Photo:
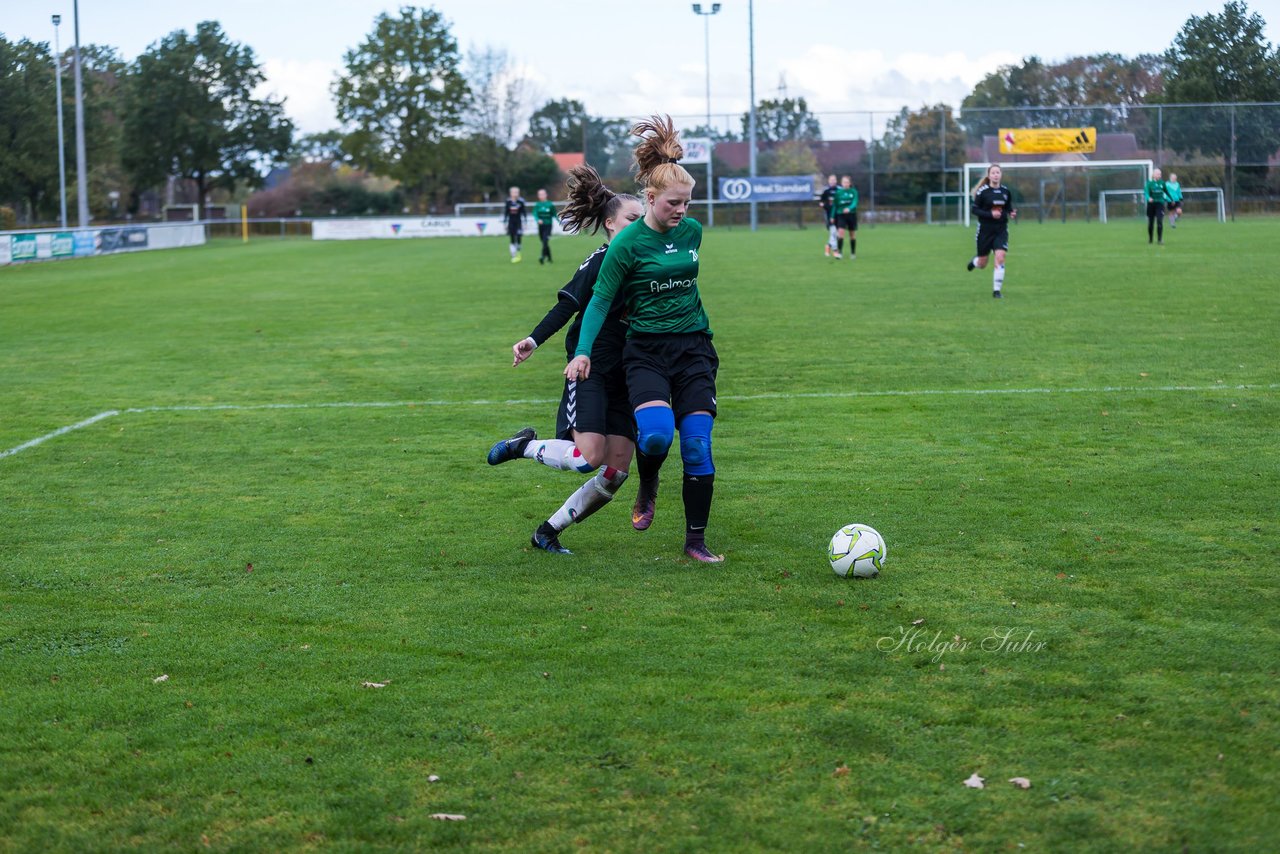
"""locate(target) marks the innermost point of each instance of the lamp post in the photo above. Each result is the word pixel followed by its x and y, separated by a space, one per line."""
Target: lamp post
pixel 706 38
pixel 62 150
pixel 751 125
pixel 82 173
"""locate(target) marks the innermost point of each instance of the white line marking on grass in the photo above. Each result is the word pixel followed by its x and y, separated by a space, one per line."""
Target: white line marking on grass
pixel 923 392
pixel 782 395
pixel 60 431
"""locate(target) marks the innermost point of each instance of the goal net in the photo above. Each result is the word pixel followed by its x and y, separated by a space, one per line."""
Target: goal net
pixel 1060 189
pixel 945 208
pixel 1119 204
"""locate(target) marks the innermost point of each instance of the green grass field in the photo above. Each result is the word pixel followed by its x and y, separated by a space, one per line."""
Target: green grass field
pixel 287 498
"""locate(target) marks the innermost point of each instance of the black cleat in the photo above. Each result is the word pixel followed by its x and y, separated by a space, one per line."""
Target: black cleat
pixel 996 295
pixel 547 538
pixel 511 449
pixel 970 266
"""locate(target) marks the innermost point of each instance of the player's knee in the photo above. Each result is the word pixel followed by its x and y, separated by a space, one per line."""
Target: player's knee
pixel 695 444
pixel 593 452
pixel 655 429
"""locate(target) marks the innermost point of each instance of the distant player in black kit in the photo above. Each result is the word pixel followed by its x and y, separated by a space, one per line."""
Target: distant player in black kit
pixel 517 213
pixel 993 206
pixel 827 201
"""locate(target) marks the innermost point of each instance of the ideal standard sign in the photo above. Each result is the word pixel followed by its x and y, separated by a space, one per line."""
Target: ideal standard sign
pixel 774 188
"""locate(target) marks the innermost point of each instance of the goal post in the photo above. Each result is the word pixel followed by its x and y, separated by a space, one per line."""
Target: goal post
pixel 1042 183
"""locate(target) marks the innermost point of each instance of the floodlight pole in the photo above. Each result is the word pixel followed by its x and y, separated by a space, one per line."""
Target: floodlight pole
pixel 62 149
pixel 751 121
pixel 82 176
pixel 706 38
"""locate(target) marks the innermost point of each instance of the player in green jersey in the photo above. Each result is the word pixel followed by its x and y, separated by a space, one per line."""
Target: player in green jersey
pixel 594 425
pixel 846 216
pixel 670 361
pixel 1173 194
pixel 1153 193
pixel 544 214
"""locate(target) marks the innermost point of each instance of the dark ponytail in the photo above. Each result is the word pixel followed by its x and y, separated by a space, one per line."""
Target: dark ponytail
pixel 590 201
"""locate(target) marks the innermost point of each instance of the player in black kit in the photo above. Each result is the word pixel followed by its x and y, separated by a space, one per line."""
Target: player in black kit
pixel 993 206
pixel 516 215
pixel 594 426
pixel 827 201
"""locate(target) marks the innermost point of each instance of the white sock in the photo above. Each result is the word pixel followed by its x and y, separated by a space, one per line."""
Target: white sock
pixel 588 498
pixel 831 237
pixel 997 278
pixel 512 247
pixel 559 454
pixel 976 259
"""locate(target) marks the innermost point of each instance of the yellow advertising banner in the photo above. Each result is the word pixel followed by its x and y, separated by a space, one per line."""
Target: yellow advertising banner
pixel 1048 140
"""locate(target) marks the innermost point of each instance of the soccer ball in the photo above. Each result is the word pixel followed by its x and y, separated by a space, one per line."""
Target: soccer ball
pixel 858 551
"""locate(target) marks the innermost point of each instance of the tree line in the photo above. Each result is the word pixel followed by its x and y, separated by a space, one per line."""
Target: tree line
pixel 421 126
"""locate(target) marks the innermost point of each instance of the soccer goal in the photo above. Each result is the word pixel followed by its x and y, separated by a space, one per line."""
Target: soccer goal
pixel 480 209
pixel 1053 189
pixel 949 207
pixel 1131 203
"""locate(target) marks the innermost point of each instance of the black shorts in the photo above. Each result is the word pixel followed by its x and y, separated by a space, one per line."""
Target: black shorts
pixel 830 217
pixel 597 404
pixel 1175 206
pixel 679 369
pixel 515 228
pixel 992 239
pixel 847 221
pixel 1155 210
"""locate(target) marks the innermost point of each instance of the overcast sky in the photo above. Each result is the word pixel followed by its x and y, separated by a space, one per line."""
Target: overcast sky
pixel 631 57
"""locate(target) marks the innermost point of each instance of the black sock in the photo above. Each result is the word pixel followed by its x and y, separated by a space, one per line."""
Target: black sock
pixel 697 506
pixel 1160 231
pixel 853 246
pixel 647 467
pixel 839 244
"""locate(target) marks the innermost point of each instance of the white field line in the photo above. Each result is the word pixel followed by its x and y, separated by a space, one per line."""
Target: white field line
pixel 250 407
pixel 61 430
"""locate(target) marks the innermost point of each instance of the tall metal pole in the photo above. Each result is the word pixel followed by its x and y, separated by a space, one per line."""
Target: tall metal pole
pixel 706 38
pixel 82 171
pixel 1160 136
pixel 871 137
pixel 62 148
pixel 1233 162
pixel 751 121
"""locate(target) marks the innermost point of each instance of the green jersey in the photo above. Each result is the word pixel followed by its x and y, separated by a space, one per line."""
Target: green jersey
pixel 1173 191
pixel 846 200
pixel 657 273
pixel 544 213
pixel 1154 191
